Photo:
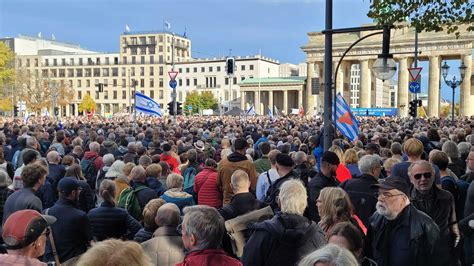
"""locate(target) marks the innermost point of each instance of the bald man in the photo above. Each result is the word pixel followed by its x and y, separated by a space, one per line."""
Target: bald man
pixel 56 170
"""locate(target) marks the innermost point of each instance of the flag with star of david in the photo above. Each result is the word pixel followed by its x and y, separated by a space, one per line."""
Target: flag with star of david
pixel 146 105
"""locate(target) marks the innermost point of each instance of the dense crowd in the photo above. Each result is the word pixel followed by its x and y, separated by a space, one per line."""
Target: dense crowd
pixel 235 191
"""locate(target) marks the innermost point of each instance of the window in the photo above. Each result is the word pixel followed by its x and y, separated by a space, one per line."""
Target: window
pixel 242 67
pixel 97 94
pixel 133 50
pixel 151 40
pixel 218 69
pixel 96 72
pixel 116 61
pixel 63 61
pixel 88 72
pixel 235 80
pixel 160 59
pixel 124 95
pixel 106 95
pixel 134 60
pixel 187 82
pixel 79 72
pixel 152 72
pixel 114 82
pixel 62 73
pixel 70 84
pixel 45 73
pixel 161 95
pixel 203 69
pixel 79 95
pixel 124 72
pixel 79 83
pixel 161 71
pixel 195 70
pixel 160 83
pixel 242 78
pixel 36 62
pixel 180 70
pixel 142 83
pixel 105 72
pixel 55 62
pixel 132 71
pixel 124 59
pixel 114 71
pixel 152 83
pixel 115 95
pixel 142 59
pixel 70 73
pixel 88 83
pixel 210 69
pixel 152 59
pixel 142 71
pixel 180 82
pixel 124 83
pixel 80 61
pixel 187 70
pixel 195 82
pixel 152 94
pixel 226 81
pixel 46 62
pixel 160 48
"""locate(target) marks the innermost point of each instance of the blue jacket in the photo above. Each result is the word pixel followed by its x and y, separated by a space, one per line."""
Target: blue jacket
pixel 55 173
pixel 47 194
pixel 156 185
pixel 108 221
pixel 180 198
pixel 143 235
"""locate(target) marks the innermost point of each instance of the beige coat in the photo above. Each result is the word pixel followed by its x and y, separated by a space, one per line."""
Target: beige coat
pixel 165 248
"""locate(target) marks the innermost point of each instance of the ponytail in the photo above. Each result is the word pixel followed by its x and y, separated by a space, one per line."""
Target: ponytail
pixel 107 191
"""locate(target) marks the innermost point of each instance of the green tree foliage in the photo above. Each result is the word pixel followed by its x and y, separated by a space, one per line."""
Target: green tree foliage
pixel 87 104
pixel 200 102
pixel 7 67
pixel 427 16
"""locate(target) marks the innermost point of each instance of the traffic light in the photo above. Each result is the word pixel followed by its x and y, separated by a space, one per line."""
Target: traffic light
pixel 413 106
pixel 420 103
pixel 56 111
pixel 230 66
pixel 170 108
pixel 179 108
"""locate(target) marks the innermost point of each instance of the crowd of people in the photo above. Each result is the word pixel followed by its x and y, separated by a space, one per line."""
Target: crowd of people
pixel 235 191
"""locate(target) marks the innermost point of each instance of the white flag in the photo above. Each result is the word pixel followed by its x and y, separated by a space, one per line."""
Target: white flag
pixel 39 34
pixel 251 111
pixel 127 28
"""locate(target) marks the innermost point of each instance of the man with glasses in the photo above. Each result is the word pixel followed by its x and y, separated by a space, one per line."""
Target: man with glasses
pixel 439 205
pixel 399 234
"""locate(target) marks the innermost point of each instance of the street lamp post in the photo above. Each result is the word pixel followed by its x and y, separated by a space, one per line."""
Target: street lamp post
pixel 453 83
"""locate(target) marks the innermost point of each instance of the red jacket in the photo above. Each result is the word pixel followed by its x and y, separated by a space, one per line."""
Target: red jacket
pixel 342 173
pixel 172 162
pixel 209 257
pixel 98 162
pixel 205 186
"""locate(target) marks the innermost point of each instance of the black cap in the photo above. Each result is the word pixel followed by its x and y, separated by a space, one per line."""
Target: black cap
pixel 67 184
pixel 166 147
pixel 284 160
pixel 330 157
pixel 393 182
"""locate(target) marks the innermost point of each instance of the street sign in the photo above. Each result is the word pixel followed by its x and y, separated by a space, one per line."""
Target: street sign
pixel 173 74
pixel 414 73
pixel 173 83
pixel 190 107
pixel 414 87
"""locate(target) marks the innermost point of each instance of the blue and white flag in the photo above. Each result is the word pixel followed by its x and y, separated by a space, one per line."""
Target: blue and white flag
pixel 251 111
pixel 166 25
pixel 26 118
pixel 345 120
pixel 146 105
pixel 270 113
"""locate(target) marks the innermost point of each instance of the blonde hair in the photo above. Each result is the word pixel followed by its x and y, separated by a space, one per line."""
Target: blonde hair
pixel 114 252
pixel 350 156
pixel 336 206
pixel 389 163
pixel 127 169
pixel 413 147
pixel 292 197
pixel 174 181
pixel 149 212
pixel 338 151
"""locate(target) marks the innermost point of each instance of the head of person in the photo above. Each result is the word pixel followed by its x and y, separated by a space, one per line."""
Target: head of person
pixel 284 164
pixel 210 163
pixel 34 175
pixel 108 159
pixel 31 142
pixel 145 161
pixel 67 161
pixel 94 146
pixel 334 205
pixel 264 148
pixel 149 213
pixel 30 156
pixel 272 155
pixel 422 175
pixel 75 171
pixel 348 236
pixel 440 159
pixel 202 228
pixel 166 147
pixel 393 197
pixel 192 156
pixel 300 158
pixel 115 252
pixel 153 170
pixel 25 232
pixel 338 151
pixel 168 215
pixel 370 165
pixel 107 191
pixel 470 161
pixel 388 164
pixel 69 188
pixel 293 197
pixel 53 157
pixel 413 148
pixel 77 150
pixel 350 156
pixel 329 163
pixel 165 168
pixel 175 181
pixel 464 148
pixel 138 174
pixel 451 149
pixel 240 145
pixel 329 255
pixel 240 182
pixel 396 149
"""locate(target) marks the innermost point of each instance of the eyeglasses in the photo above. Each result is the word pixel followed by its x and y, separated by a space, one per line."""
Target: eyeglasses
pixel 179 229
pixel 386 195
pixel 427 175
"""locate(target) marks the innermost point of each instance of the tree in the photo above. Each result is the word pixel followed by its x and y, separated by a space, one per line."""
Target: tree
pixel 6 104
pixel 65 93
pixel 194 100
pixel 446 110
pixel 201 102
pixel 7 67
pixel 33 89
pixel 429 16
pixel 87 104
pixel 208 100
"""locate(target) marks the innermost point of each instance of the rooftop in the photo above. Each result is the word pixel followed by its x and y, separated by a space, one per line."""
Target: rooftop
pixel 154 32
pixel 285 80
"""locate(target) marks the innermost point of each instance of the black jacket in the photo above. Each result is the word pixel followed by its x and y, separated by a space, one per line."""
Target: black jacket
pixel 304 173
pixel 315 186
pixel 283 240
pixel 362 195
pixel 108 221
pixel 410 242
pixel 143 235
pixel 144 196
pixel 241 204
pixel 55 173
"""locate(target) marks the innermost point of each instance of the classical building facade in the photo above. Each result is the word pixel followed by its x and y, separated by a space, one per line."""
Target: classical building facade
pixel 434 47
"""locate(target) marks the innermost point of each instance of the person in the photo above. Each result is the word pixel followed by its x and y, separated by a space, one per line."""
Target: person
pixel 71 232
pixel 227 166
pixel 266 178
pixel 108 221
pixel 131 155
pixel 325 178
pixel 288 236
pixel 149 223
pixel 29 157
pixel 439 205
pixel 5 191
pixel 202 230
pixel 348 236
pixel 205 185
pixel 166 247
pixel 115 252
pixel 464 224
pixel 31 145
pixel 243 201
pixel 33 176
pixel 56 171
pixel 398 233
pixel 469 176
pixel 456 165
pixel 330 254
pixel 359 189
pixel 167 157
pixel 263 163
pixel 109 146
pixel 351 162
pixel 108 160
pixel 92 157
pixel 165 171
pixel 388 165
pixel 342 173
pixel 302 170
pixel 284 167
pixel 86 198
pixel 153 173
pixel 175 193
pixel 24 235
pixel 115 170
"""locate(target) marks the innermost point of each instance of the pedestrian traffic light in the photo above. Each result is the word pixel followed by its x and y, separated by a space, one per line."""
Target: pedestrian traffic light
pixel 179 108
pixel 230 62
pixel 413 106
pixel 420 103
pixel 170 108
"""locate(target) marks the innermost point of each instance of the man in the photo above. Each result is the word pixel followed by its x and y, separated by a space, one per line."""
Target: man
pixel 92 158
pixel 71 232
pixel 33 176
pixel 235 161
pixel 109 145
pixel 284 167
pixel 263 163
pixel 288 236
pixel 167 156
pixel 243 201
pixel 302 170
pixel 325 178
pixel 56 171
pixel 24 234
pixel 166 246
pixel 399 234
pixel 439 205
pixel 467 230
pixel 469 176
pixel 143 193
pixel 28 157
pixel 268 177
pixel 31 145
pixel 360 190
pixel 131 155
pixel 202 230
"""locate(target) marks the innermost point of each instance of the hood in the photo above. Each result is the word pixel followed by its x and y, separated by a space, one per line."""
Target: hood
pixel 109 143
pixel 236 157
pixel 177 194
pixel 90 154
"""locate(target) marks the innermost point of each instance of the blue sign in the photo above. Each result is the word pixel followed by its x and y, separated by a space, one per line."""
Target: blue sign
pixel 190 107
pixel 374 111
pixel 414 87
pixel 173 84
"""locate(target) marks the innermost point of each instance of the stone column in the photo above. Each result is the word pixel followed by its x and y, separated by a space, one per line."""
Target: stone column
pixel 242 100
pixel 310 98
pixel 68 110
pixel 257 102
pixel 433 87
pixel 402 93
pixel 365 84
pixel 285 101
pixel 340 77
pixel 270 100
pixel 300 98
pixel 467 99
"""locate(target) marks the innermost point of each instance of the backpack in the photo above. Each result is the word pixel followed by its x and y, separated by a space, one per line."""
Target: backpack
pixel 238 231
pixel 273 192
pixel 99 179
pixel 88 169
pixel 461 187
pixel 188 176
pixel 128 200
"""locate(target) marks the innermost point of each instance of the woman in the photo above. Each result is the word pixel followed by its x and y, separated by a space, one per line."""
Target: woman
pixel 86 197
pixel 115 170
pixel 455 164
pixel 205 186
pixel 175 193
pixel 115 252
pixel 109 221
pixel 388 165
pixel 350 161
pixel 334 206
pixel 67 161
pixel 342 173
pixel 329 255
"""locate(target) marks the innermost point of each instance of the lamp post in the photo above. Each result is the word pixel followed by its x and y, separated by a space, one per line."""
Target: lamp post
pixel 453 83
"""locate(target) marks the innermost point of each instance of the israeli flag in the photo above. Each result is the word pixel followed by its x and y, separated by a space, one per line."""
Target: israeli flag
pixel 146 105
pixel 251 111
pixel 270 113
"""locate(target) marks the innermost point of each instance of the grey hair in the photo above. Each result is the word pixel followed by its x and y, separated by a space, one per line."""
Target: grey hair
pixel 108 159
pixel 422 163
pixel 31 141
pixel 300 157
pixel 94 146
pixel 168 215
pixel 368 162
pixel 331 255
pixel 292 197
pixel 464 148
pixel 174 181
pixel 451 149
pixel 206 224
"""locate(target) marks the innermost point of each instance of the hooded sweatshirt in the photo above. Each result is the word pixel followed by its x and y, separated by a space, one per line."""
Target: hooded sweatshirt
pixel 180 198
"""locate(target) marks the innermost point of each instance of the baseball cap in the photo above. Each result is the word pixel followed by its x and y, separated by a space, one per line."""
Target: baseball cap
pixel 393 182
pixel 67 184
pixel 23 227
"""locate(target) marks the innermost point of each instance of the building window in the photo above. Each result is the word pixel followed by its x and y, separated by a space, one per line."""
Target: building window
pixel 160 71
pixel 242 67
pixel 115 95
pixel 55 62
pixel 124 95
pixel 203 69
pixel 79 83
pixel 160 83
pixel 80 61
pixel 116 61
pixel 36 62
pixel 79 72
pixel 161 95
pixel 106 95
pixel 195 70
pixel 134 60
pixel 180 82
pixel 152 94
pixel 152 59
pixel 142 83
pixel 235 80
pixel 251 67
pixel 180 70
pixel 124 60
pixel 115 82
pixel 70 73
pixel 124 83
pixel 88 83
pixel 79 95
pixel 242 78
pixel 187 82
pixel 105 72
pixel 46 62
pixel 195 82
pixel 132 71
pixel 226 81
pixel 96 72
pixel 63 61
pixel 152 83
pixel 152 72
pixel 218 69
pixel 114 71
pixel 142 59
pixel 142 71
pixel 210 69
pixel 160 48
pixel 187 70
